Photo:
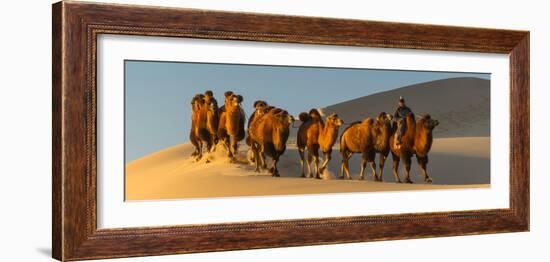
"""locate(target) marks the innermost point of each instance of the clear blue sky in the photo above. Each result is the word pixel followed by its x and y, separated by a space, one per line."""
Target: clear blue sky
pixel 158 94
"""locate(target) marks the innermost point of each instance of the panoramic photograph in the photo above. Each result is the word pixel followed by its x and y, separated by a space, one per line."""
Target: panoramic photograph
pixel 204 130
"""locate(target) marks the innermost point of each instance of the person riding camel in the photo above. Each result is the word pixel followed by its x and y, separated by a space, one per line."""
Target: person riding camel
pixel 400 123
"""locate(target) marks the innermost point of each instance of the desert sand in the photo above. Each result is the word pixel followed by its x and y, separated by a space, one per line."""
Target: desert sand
pixel 460 156
pixel 172 174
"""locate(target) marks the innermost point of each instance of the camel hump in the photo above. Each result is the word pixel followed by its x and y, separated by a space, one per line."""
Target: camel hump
pixel 303 117
pixel 314 113
pixel 268 109
pixel 350 126
pixel 368 121
pixel 276 111
pixel 239 98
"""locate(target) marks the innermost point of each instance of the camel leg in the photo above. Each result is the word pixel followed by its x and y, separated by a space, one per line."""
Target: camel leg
pixel 257 163
pixel 381 163
pixel 196 152
pixel 302 160
pixel 225 142
pixel 225 145
pixel 396 168
pixel 208 149
pixel 346 166
pixel 372 165
pixel 194 142
pixel 256 151
pixel 199 154
pixel 371 156
pixel 423 161
pixel 275 172
pixel 262 158
pixel 317 168
pixel 313 157
pixel 363 166
pixel 407 161
pixel 348 176
pixel 309 160
pixel 234 146
pixel 341 175
pixel 316 162
pixel 327 157
pixel 213 143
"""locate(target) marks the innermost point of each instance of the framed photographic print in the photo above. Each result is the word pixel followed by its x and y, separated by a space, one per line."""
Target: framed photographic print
pixel 182 130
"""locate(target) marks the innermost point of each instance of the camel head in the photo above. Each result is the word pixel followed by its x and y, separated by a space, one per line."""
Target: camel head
pixel 428 122
pixel 197 102
pixel 212 105
pixel 209 99
pixel 284 118
pixel 232 100
pixel 209 94
pixel 228 93
pixel 334 120
pixel 260 104
pixel 261 110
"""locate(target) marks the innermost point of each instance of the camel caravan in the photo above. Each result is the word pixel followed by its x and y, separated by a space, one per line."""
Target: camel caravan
pixel 268 129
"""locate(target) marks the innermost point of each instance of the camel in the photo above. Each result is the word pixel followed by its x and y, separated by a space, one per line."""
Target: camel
pixel 416 140
pixel 314 134
pixel 259 105
pixel 196 104
pixel 231 124
pixel 366 137
pixel 260 108
pixel 212 117
pixel 270 133
pixel 203 124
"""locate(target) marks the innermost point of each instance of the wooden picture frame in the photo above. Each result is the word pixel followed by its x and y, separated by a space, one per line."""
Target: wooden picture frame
pixel 75 28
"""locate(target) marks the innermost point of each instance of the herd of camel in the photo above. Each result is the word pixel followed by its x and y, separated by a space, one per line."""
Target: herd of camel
pixel 268 130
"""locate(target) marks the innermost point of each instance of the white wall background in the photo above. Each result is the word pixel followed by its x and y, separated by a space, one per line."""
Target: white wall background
pixel 25 135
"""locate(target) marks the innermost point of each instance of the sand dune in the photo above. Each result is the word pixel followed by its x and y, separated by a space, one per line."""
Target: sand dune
pixel 172 174
pixel 462 105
